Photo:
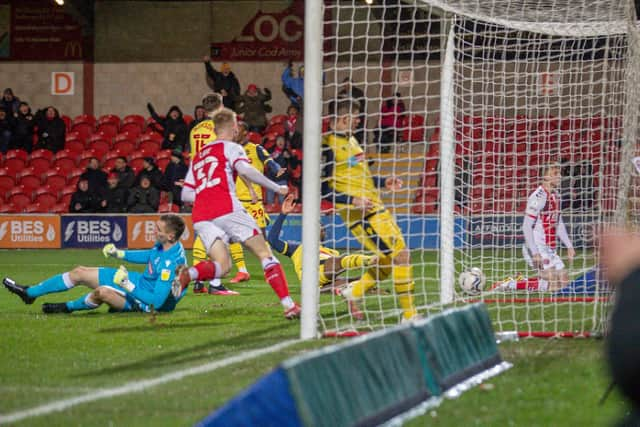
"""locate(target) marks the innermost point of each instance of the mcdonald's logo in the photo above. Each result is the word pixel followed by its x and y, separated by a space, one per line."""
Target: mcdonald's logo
pixel 62 83
pixel 73 49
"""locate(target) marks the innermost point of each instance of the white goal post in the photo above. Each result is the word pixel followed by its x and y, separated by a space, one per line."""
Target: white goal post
pixel 491 92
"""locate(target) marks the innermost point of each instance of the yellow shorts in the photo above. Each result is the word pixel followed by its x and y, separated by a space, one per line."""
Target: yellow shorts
pixel 376 231
pixel 257 212
pixel 323 280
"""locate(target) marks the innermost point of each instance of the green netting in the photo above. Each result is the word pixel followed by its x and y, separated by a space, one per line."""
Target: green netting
pixel 458 344
pixel 372 378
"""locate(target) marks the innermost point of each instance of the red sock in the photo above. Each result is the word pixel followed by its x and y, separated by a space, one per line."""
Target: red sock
pixel 528 284
pixel 206 270
pixel 277 280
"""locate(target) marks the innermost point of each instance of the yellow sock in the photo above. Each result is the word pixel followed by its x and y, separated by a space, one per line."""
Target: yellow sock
pixel 362 285
pixel 237 255
pixel 199 251
pixel 355 261
pixel 403 285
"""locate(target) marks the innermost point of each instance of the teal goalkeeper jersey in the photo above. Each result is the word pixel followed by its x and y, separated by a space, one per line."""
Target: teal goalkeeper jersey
pixel 154 286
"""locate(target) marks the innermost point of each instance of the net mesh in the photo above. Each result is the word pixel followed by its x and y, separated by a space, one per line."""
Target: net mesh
pixel 529 83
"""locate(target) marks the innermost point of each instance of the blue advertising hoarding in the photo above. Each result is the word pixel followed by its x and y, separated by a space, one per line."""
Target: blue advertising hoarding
pixel 93 231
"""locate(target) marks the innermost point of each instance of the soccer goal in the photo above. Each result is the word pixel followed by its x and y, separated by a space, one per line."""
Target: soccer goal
pixel 467 102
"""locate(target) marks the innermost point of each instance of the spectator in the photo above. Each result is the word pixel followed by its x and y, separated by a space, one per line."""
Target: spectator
pixel 83 200
pixel 357 94
pixel 199 114
pixel 24 125
pixel 97 177
pixel 143 198
pixel 51 129
pixel 126 176
pixel 292 86
pixel 151 171
pixel 583 186
pixel 281 156
pixel 9 102
pixel 224 82
pixel 115 195
pixel 173 177
pixel 254 108
pixel 292 136
pixel 176 132
pixel 390 123
pixel 6 130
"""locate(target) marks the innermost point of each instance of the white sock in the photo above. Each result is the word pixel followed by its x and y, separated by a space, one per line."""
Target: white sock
pixel 215 282
pixel 193 273
pixel 543 285
pixel 287 302
pixel 67 280
pixel 242 270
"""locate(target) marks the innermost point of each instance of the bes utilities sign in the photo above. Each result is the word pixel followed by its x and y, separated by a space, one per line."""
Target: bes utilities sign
pixel 30 231
pixel 93 231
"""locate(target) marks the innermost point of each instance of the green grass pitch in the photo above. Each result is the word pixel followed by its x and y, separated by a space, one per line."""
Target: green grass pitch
pixel 45 358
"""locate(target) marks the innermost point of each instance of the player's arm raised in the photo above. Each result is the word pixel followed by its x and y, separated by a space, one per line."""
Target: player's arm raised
pixel 252 174
pixel 280 246
pixel 136 257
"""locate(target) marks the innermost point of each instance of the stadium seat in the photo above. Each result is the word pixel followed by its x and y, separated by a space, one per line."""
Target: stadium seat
pixel 124 147
pixel 155 127
pixel 415 130
pixel 151 135
pixel 14 165
pixel 40 164
pixel 17 154
pixel 74 174
pixel 188 118
pixel 167 207
pixel 64 163
pixel 149 146
pixel 7 208
pixel 29 179
pixel 136 163
pixel 7 182
pixel 277 128
pixel 41 153
pixel 109 118
pixel 254 137
pixel 164 154
pixel 162 163
pixel 84 125
pixel 84 118
pixel 67 122
pixel 19 197
pixel 133 123
pixel 126 135
pixel 86 156
pixel 46 201
pixel 278 119
pixel 76 145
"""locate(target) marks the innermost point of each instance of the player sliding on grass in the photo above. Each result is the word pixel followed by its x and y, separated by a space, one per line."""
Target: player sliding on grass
pixel 119 289
pixel 332 264
pixel 542 226
pixel 218 217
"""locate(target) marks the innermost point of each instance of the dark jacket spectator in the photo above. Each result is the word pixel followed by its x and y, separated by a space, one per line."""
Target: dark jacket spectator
pixel 292 135
pixel 391 115
pixel 144 198
pixel 173 177
pixel 24 125
pixel 293 86
pixel 6 130
pixel 151 171
pixel 199 114
pixel 10 102
pixel 253 107
pixel 115 196
pixel 83 200
pixel 224 82
pixel 97 178
pixel 176 134
pixel 280 155
pixel 126 176
pixel 51 129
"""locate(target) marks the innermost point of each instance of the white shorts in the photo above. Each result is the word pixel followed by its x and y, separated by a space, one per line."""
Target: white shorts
pixel 236 226
pixel 550 259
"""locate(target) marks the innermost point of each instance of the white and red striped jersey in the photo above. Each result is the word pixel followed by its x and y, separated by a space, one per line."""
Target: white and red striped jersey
pixel 212 176
pixel 544 208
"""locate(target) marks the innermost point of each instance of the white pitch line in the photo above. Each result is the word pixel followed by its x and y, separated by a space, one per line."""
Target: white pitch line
pixel 139 385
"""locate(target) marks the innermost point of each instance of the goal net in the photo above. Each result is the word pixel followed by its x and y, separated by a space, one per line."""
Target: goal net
pixel 467 102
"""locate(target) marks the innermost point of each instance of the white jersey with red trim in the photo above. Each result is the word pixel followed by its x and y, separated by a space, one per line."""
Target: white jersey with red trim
pixel 212 176
pixel 544 208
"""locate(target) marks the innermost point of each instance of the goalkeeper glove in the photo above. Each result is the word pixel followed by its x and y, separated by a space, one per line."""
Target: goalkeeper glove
pixel 121 278
pixel 111 250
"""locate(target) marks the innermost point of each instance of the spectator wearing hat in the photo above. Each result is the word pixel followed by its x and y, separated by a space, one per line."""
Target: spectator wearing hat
pixel 51 129
pixel 151 171
pixel 83 200
pixel 6 130
pixel 24 124
pixel 293 86
pixel 10 102
pixel 176 132
pixel 115 197
pixel 253 107
pixel 126 175
pixel 143 198
pixel 173 177
pixel 97 177
pixel 223 82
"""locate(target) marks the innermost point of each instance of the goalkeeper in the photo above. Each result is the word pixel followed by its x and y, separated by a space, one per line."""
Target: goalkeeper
pixel 348 183
pixel 121 290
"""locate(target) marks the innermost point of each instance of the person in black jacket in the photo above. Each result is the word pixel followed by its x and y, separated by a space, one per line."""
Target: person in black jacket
pixel 199 114
pixel 151 171
pixel 173 177
pixel 115 196
pixel 51 129
pixel 126 175
pixel 24 125
pixel 97 177
pixel 176 133
pixel 6 130
pixel 224 82
pixel 144 198
pixel 83 200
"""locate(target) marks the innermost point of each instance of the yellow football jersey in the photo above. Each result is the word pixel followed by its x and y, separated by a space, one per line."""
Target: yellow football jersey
pixel 351 174
pixel 324 254
pixel 201 135
pixel 252 150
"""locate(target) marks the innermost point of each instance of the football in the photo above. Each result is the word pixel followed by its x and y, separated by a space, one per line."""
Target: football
pixel 471 281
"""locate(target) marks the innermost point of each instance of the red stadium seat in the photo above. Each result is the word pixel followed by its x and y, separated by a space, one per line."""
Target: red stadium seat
pixel 7 182
pixel 277 128
pixel 149 146
pixel 151 135
pixel 133 124
pixel 6 208
pixel 254 137
pixel 19 197
pixel 76 145
pixel 136 164
pixel 108 129
pixel 46 200
pixel 83 129
pixel 187 119
pixel 86 156
pixel 148 151
pixel 163 154
pixel 124 147
pixel 40 165
pixel 278 119
pixel 41 153
pixel 67 122
pixel 17 154
pixel 60 208
pixel 64 163
pixel 162 163
pixel 29 179
pixel 168 208
pixel 126 135
pixel 14 165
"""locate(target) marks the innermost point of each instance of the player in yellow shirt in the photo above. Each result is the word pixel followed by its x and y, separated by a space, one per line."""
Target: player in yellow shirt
pixel 250 195
pixel 347 183
pixel 332 263
pixel 201 135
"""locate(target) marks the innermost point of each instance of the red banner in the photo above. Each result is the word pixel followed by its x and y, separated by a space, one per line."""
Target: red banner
pixel 267 37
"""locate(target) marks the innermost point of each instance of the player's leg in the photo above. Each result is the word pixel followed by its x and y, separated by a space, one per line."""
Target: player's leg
pixel 257 212
pixel 199 255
